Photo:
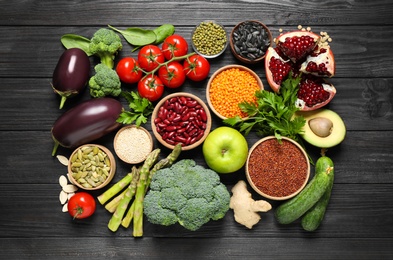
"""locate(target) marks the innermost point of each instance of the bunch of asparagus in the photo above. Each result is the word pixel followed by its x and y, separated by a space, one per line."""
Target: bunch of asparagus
pixel 134 185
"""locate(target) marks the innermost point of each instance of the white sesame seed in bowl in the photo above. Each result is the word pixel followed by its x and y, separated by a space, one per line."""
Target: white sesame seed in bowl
pixel 132 144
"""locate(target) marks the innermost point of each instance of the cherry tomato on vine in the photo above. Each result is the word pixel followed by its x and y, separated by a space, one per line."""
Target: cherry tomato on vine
pixel 81 205
pixel 172 75
pixel 196 67
pixel 151 87
pixel 174 46
pixel 149 57
pixel 128 70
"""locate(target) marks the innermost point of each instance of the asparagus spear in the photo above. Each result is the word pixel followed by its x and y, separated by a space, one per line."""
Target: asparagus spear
pixel 143 184
pixel 117 216
pixel 112 205
pixel 116 188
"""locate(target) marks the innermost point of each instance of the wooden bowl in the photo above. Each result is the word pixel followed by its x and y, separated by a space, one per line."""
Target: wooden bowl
pixel 176 125
pixel 238 35
pixel 209 83
pixel 277 171
pixel 108 171
pixel 133 144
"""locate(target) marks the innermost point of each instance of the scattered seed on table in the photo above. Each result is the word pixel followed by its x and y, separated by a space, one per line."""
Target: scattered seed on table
pixel 65 207
pixel 63 197
pixel 70 188
pixel 62 159
pixel 63 181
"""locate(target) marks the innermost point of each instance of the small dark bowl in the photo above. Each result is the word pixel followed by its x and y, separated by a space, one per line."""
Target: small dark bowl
pixel 239 34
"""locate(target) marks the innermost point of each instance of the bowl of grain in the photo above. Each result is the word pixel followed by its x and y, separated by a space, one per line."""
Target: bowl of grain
pixel 229 86
pixel 182 118
pixel 132 144
pixel 249 41
pixel 277 170
pixel 91 166
pixel 209 39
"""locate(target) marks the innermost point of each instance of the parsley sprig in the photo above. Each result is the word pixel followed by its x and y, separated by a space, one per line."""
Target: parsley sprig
pixel 140 109
pixel 273 113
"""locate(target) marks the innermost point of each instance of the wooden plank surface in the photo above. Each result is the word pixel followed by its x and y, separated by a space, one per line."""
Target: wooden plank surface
pixel 359 221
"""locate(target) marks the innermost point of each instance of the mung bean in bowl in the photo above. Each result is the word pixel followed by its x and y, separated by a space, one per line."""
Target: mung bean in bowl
pixel 181 118
pixel 132 144
pixel 249 41
pixel 91 166
pixel 229 86
pixel 277 170
pixel 209 39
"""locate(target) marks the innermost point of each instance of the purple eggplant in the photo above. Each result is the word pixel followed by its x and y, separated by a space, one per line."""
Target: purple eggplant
pixel 71 74
pixel 86 122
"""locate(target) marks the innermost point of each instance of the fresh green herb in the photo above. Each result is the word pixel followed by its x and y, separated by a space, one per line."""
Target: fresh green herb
pixel 140 109
pixel 76 41
pixel 273 114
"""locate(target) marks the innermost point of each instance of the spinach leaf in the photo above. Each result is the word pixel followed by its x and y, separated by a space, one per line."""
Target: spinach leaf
pixel 76 41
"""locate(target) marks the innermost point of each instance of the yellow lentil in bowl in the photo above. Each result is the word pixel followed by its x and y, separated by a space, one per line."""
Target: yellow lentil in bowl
pixel 133 144
pixel 229 86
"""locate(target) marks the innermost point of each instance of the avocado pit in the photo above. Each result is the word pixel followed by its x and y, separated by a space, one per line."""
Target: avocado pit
pixel 321 126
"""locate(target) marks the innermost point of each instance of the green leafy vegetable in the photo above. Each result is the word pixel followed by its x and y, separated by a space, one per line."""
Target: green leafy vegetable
pixel 273 114
pixel 163 31
pixel 140 109
pixel 76 41
pixel 137 36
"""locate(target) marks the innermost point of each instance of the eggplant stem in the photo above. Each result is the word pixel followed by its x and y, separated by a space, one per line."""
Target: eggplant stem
pixel 62 101
pixel 55 148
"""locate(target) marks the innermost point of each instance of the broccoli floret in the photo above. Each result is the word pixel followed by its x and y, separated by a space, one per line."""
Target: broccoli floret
pixel 186 193
pixel 105 44
pixel 105 82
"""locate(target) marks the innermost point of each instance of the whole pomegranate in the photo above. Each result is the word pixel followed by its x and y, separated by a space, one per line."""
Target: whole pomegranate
pixel 306 53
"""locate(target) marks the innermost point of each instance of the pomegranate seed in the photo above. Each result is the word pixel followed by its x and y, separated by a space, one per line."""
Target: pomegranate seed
pixel 297 47
pixel 312 92
pixel 279 69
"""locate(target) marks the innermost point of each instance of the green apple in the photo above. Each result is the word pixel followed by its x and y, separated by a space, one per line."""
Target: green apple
pixel 225 150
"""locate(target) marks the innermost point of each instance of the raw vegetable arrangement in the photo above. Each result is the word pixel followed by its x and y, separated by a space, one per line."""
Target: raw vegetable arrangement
pixel 167 191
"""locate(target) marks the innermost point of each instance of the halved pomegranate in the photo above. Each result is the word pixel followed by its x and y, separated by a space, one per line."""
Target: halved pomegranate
pixel 305 52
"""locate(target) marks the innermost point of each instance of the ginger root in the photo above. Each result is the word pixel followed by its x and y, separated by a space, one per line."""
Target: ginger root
pixel 245 208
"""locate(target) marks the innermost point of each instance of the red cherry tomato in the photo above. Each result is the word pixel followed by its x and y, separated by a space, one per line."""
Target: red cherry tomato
pixel 128 70
pixel 172 75
pixel 151 87
pixel 81 205
pixel 149 57
pixel 174 46
pixel 196 67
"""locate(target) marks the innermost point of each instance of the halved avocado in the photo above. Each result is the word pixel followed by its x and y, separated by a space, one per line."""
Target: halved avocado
pixel 324 128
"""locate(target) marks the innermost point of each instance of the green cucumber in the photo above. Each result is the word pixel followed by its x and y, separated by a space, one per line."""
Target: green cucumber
pixel 294 208
pixel 313 218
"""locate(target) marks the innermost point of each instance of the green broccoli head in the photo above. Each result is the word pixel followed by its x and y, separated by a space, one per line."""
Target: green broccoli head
pixel 190 192
pixel 105 82
pixel 105 44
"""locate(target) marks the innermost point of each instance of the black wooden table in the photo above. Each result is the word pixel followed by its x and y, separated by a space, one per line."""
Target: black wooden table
pixel 359 221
